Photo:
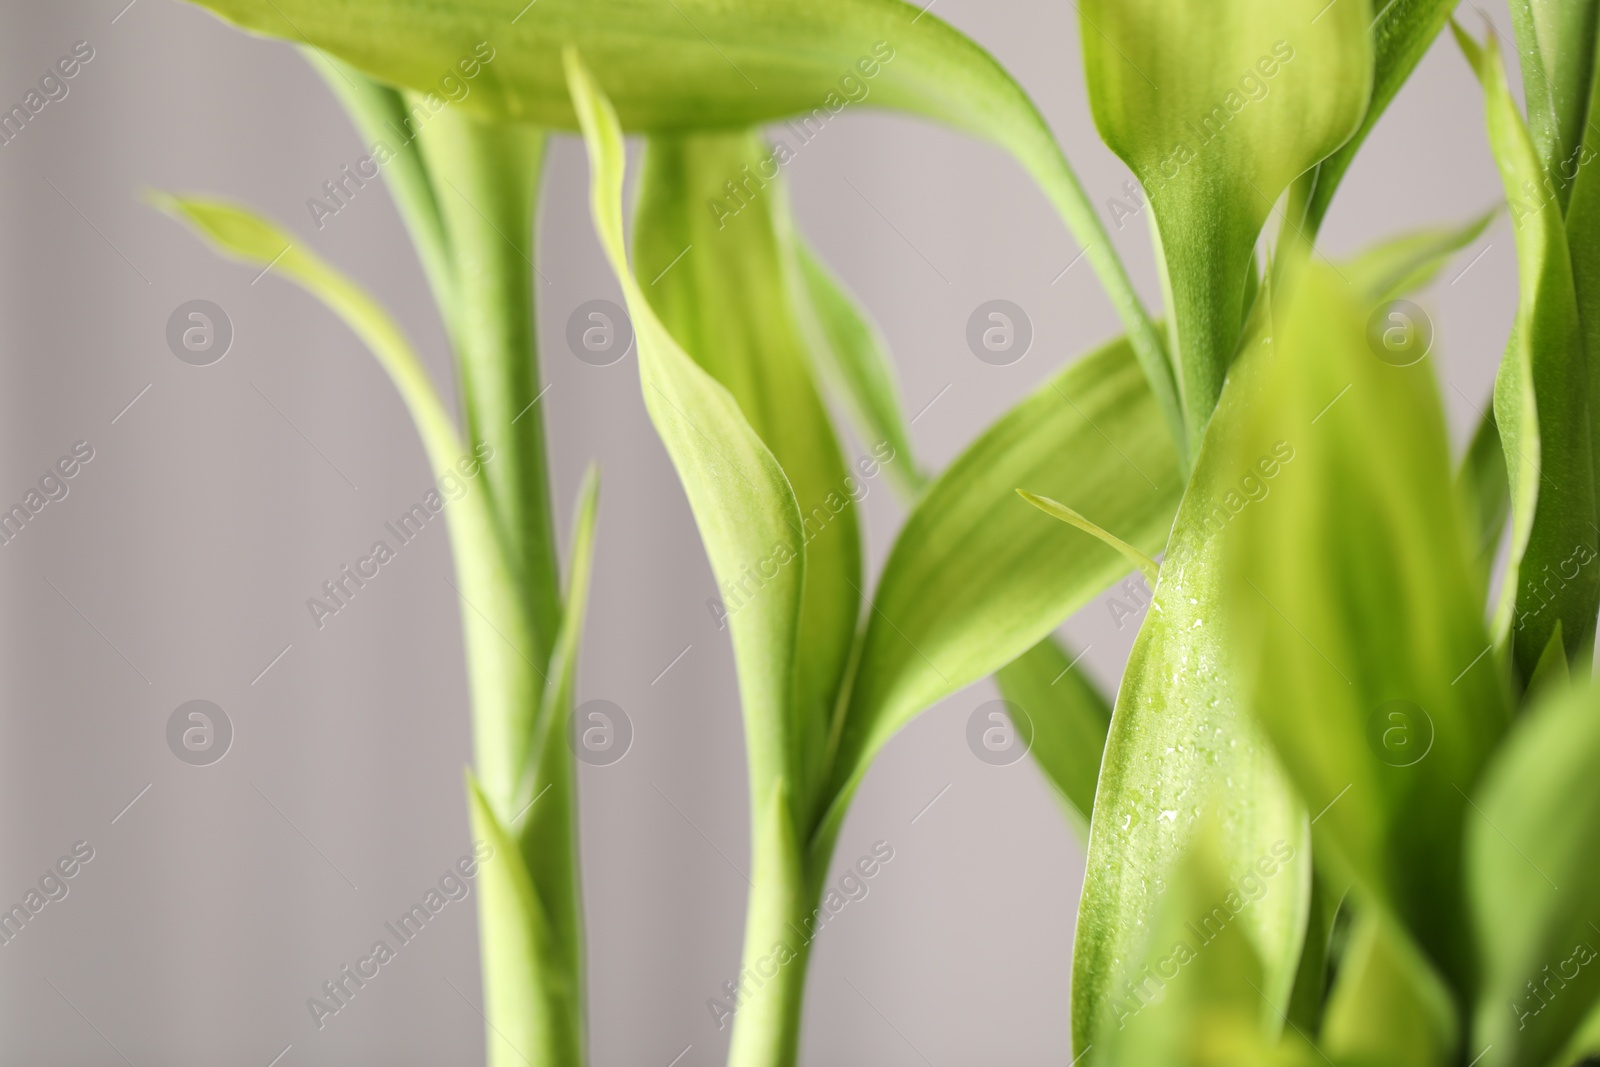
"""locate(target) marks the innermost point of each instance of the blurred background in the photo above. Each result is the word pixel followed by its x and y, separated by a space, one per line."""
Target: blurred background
pixel 219 498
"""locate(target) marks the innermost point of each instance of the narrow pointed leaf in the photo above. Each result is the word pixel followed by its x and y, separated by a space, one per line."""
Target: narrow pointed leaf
pixel 1556 47
pixel 1217 107
pixel 721 288
pixel 1482 483
pixel 1069 719
pixel 977 577
pixel 1360 615
pixel 854 362
pixel 1404 264
pixel 1057 510
pixel 1541 406
pixel 1534 877
pixel 741 499
pixel 1389 1007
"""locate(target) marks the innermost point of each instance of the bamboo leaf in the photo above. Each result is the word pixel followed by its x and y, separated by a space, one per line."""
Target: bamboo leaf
pixel 740 496
pixel 1404 264
pixel 1402 33
pixel 1216 107
pixel 853 361
pixel 1069 718
pixel 977 577
pixel 1534 880
pixel 1556 46
pixel 706 64
pixel 721 288
pixel 1541 407
pixel 1359 606
pixel 499 632
pixel 1057 510
pixel 1481 482
pixel 1179 739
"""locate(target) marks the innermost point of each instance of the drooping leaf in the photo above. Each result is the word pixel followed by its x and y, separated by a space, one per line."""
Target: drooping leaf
pixel 1389 1007
pixel 1402 33
pixel 1404 264
pixel 703 64
pixel 1069 720
pixel 1194 994
pixel 499 633
pixel 1216 107
pixel 740 497
pixel 977 577
pixel 721 288
pixel 1359 613
pixel 1179 737
pixel 853 360
pixel 1541 406
pixel 1534 880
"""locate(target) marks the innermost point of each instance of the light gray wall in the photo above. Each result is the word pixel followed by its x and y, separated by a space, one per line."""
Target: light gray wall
pixel 179 564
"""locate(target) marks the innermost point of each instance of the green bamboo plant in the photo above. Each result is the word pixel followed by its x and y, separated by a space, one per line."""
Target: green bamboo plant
pixel 1329 811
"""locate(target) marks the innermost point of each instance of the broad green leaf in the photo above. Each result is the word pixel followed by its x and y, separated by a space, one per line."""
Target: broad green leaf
pixel 1217 107
pixel 977 577
pixel 1194 994
pixel 1179 737
pixel 703 64
pixel 1534 880
pixel 1359 612
pixel 853 361
pixel 1402 33
pixel 1069 720
pixel 499 636
pixel 721 288
pixel 741 499
pixel 1388 1007
pixel 1541 405
pixel 523 990
pixel 1556 45
pixel 1404 264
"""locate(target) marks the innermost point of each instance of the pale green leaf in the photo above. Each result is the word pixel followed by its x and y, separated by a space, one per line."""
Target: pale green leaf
pixel 854 362
pixel 1217 107
pixel 1179 737
pixel 1541 406
pixel 1057 510
pixel 700 64
pixel 721 288
pixel 1534 878
pixel 1481 482
pixel 1069 720
pixel 1359 612
pixel 977 577
pixel 1404 264
pixel 499 633
pixel 741 499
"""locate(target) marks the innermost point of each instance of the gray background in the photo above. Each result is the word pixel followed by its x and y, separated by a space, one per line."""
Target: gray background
pixel 179 566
